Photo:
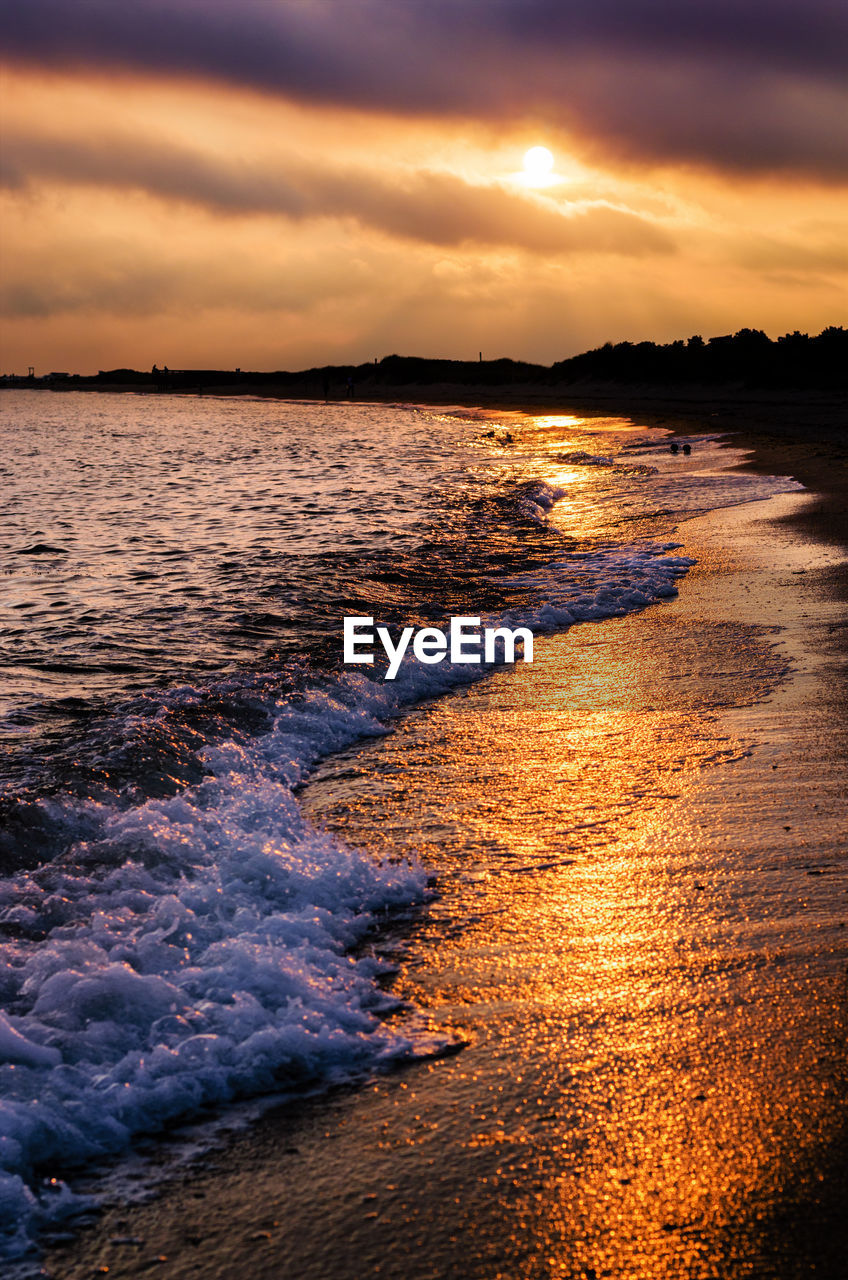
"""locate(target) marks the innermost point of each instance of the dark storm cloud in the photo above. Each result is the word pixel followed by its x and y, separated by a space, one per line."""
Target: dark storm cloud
pixel 750 84
pixel 433 208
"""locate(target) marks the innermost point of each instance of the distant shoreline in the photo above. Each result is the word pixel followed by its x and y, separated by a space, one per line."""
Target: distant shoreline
pixel 740 364
pixel 787 413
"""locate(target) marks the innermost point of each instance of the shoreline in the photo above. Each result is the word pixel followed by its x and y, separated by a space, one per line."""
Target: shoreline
pixel 402 1169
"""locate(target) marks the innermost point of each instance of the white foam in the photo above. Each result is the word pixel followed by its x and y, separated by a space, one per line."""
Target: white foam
pixel 539 499
pixel 599 584
pixel 198 951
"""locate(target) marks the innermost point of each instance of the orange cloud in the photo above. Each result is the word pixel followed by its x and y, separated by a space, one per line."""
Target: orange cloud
pixel 153 221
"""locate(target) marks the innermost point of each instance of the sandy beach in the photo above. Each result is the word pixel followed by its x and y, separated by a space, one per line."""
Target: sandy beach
pixel 653 1076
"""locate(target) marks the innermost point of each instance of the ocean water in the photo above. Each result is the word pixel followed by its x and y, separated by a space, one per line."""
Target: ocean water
pixel 176 933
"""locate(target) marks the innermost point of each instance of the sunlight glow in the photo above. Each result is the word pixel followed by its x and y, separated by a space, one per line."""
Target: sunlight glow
pixel 538 163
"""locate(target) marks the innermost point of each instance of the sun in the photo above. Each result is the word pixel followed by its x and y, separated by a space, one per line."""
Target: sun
pixel 538 163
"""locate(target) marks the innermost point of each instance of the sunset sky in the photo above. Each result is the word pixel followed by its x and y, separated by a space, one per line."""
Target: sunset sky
pixel 272 184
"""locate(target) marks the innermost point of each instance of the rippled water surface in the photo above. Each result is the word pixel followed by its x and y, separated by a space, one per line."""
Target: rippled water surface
pixel 155 540
pixel 145 538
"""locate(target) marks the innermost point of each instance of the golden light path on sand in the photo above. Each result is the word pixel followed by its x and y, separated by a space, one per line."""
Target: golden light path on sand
pixel 636 948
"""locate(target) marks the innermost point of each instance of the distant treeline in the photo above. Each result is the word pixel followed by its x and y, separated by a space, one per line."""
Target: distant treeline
pixel 747 360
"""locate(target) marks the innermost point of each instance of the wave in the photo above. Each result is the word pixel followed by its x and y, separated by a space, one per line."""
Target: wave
pixel 197 947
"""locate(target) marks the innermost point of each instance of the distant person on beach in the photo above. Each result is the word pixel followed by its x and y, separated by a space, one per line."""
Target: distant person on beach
pixel 350 387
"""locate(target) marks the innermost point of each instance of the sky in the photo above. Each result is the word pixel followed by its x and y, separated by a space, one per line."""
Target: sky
pixel 275 184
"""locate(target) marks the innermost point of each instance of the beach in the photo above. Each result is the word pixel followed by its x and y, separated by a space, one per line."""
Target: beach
pixel 423 641
pixel 636 958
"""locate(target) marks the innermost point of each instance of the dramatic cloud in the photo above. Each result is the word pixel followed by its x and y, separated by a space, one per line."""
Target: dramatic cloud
pixel 435 208
pixel 269 184
pixel 748 84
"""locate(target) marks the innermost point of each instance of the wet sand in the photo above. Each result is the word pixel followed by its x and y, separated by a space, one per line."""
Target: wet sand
pixel 641 934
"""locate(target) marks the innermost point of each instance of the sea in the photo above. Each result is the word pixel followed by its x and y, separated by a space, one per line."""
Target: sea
pixel 179 933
